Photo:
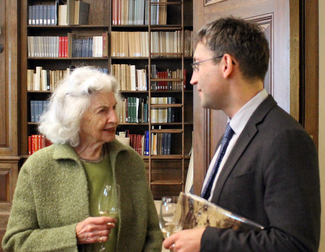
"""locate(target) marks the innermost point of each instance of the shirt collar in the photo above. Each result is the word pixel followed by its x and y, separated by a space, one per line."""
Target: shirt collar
pixel 240 119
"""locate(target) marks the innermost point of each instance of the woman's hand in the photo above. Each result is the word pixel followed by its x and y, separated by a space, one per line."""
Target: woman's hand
pixel 94 229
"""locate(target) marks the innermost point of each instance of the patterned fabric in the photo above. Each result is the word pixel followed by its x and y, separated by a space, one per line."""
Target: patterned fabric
pixel 224 144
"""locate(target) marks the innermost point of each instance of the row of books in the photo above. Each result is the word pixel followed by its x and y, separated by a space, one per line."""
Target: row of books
pixel 42 14
pixel 165 85
pixel 40 79
pixel 160 142
pixel 130 12
pixel 47 46
pixel 95 46
pixel 132 79
pixel 37 142
pixel 135 110
pixel 129 78
pixel 72 13
pixel 69 46
pixel 135 44
pixel 164 115
pixel 44 80
pixel 36 109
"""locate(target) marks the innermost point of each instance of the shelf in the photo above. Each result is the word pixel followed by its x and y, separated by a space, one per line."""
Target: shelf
pixel 166 105
pixel 166 182
pixel 169 157
pixel 166 54
pixel 39 91
pixel 68 58
pixel 166 3
pixel 173 131
pixel 66 27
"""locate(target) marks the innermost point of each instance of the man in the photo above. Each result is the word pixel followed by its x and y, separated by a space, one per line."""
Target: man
pixel 269 172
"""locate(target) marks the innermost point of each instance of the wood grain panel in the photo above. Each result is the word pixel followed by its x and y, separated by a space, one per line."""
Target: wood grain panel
pixel 8 78
pixel 99 12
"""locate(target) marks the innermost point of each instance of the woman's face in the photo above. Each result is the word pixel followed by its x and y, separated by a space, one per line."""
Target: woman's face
pixel 99 122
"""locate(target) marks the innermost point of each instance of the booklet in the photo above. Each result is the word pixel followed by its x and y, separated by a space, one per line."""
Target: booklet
pixel 193 211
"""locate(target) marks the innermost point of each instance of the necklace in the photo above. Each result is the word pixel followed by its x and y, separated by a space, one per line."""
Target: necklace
pixel 96 161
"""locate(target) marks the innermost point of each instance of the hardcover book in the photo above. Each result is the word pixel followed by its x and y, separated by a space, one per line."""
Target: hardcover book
pixel 193 211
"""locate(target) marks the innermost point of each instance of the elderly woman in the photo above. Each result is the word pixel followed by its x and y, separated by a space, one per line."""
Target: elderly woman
pixel 55 206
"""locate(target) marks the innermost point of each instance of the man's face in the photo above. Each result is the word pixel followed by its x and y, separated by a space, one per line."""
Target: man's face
pixel 209 79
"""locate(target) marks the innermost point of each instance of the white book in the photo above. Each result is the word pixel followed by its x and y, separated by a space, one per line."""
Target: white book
pixel 94 46
pixel 37 78
pixel 137 100
pixel 56 48
pixel 29 46
pixel 44 80
pixel 141 12
pixel 63 9
pixel 144 79
pixel 133 78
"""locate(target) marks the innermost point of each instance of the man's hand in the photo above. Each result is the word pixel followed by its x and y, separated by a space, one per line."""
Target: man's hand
pixel 185 241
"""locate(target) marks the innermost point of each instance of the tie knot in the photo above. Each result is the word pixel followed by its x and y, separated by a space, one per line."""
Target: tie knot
pixel 228 133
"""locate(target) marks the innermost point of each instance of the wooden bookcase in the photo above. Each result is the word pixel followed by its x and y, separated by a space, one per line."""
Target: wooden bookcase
pixel 166 174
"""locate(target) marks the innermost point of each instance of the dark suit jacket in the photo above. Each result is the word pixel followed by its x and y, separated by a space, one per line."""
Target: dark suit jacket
pixel 271 177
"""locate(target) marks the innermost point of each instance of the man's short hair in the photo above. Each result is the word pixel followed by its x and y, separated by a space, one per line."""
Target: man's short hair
pixel 244 40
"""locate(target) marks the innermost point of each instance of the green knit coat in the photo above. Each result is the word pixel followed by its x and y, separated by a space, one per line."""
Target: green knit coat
pixel 51 198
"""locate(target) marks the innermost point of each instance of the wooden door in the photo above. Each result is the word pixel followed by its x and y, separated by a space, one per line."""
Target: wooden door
pixel 8 108
pixel 280 20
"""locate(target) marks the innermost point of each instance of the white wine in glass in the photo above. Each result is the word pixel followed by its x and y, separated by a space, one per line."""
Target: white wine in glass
pixel 109 204
pixel 167 223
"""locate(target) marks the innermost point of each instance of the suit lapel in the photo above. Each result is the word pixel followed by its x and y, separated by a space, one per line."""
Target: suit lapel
pixel 248 133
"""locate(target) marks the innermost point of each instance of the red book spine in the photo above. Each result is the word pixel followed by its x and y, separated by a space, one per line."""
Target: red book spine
pixel 139 137
pixel 47 142
pixel 118 16
pixel 33 144
pixel 66 47
pixel 36 142
pixel 114 12
pixel 42 141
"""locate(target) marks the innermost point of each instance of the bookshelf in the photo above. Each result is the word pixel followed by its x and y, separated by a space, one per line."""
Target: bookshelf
pixel 151 59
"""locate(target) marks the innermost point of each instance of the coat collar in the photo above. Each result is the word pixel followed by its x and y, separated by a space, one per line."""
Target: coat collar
pixel 250 130
pixel 65 151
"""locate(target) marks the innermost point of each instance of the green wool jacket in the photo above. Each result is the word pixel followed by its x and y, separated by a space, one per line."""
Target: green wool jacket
pixel 51 197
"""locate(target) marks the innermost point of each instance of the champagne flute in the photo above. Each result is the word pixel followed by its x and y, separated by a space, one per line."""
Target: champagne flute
pixel 109 204
pixel 168 224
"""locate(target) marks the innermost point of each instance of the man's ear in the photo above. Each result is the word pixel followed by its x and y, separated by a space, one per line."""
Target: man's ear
pixel 228 65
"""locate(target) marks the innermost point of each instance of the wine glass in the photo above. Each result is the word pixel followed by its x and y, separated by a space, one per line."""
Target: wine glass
pixel 168 224
pixel 109 204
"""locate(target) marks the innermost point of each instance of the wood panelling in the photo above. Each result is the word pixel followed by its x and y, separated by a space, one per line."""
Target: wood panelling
pixel 9 97
pixel 8 78
pixel 309 68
